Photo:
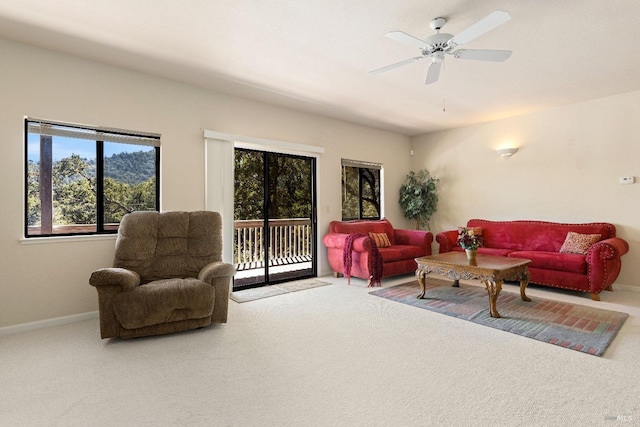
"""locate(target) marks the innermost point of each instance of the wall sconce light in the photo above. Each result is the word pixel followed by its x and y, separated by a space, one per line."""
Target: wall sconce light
pixel 506 152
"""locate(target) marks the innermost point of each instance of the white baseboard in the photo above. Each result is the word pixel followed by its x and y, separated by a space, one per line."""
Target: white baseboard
pixel 47 323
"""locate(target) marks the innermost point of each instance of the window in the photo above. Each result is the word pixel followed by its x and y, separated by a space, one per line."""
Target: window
pixel 361 190
pixel 83 179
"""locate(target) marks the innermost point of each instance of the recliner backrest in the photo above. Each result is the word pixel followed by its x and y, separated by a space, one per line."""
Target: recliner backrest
pixel 159 245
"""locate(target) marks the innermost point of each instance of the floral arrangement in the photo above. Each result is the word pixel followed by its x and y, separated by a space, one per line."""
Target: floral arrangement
pixel 468 238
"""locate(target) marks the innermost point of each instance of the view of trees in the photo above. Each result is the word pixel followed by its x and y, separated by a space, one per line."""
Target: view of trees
pixel 360 193
pixel 289 187
pixel 129 184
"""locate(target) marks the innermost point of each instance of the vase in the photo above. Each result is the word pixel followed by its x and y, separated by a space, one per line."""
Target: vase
pixel 471 254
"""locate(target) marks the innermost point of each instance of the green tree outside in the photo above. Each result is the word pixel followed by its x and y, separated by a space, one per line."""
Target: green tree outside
pixel 129 185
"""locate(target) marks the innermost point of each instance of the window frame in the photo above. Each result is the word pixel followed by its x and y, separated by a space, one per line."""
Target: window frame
pixel 360 165
pixel 100 135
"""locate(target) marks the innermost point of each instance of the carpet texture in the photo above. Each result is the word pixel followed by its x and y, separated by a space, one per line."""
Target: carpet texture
pixel 273 290
pixel 585 329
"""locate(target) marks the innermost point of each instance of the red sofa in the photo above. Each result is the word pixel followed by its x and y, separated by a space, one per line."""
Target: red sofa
pixel 541 242
pixel 398 258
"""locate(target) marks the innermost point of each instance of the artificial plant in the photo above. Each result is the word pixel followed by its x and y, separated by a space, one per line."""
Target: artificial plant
pixel 419 197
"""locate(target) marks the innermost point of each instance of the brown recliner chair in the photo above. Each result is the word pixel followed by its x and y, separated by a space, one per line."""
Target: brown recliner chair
pixel 167 276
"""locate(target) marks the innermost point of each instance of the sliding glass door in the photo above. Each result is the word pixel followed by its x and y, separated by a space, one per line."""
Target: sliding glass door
pixel 274 215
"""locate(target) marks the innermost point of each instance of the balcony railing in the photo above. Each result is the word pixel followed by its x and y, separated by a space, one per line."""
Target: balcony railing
pixel 290 242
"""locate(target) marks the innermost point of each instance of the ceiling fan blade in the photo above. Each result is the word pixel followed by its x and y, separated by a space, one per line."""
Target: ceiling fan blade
pixel 403 37
pixel 484 25
pixel 482 54
pixel 433 73
pixel 396 65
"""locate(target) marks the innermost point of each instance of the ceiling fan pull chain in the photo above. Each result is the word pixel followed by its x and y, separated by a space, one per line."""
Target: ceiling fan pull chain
pixel 444 96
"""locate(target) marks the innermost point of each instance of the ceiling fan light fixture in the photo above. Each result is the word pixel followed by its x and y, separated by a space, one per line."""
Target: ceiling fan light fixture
pixel 437 57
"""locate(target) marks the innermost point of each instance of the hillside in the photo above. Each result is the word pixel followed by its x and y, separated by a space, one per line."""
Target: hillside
pixel 131 168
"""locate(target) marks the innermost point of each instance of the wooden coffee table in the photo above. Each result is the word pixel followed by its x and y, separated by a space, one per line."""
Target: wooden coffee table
pixel 490 270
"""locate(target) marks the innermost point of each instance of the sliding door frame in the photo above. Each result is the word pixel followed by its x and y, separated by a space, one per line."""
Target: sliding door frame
pixel 219 177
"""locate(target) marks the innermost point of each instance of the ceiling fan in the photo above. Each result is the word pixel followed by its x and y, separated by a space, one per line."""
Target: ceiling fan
pixel 437 45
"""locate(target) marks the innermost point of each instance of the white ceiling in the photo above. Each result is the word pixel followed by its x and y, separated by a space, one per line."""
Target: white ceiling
pixel 315 55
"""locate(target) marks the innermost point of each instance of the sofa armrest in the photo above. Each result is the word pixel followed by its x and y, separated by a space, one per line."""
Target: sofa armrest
pixel 604 263
pixel 414 238
pixel 125 279
pixel 337 240
pixel 447 240
pixel 607 249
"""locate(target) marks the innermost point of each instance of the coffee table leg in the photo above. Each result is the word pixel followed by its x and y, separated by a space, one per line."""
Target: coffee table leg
pixel 523 286
pixel 421 275
pixel 524 281
pixel 493 288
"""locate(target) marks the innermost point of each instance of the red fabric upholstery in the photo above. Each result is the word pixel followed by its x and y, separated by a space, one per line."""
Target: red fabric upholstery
pixel 534 235
pixel 574 263
pixel 399 258
pixel 363 227
pixel 540 241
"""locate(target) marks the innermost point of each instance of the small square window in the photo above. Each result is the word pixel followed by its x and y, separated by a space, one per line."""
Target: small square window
pixel 361 190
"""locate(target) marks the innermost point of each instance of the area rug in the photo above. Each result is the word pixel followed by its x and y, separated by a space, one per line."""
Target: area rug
pixel 577 327
pixel 273 290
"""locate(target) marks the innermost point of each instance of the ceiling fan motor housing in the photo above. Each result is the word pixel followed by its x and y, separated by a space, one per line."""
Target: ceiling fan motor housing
pixel 437 43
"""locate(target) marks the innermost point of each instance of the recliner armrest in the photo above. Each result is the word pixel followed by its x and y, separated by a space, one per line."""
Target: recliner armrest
pixel 219 274
pixel 111 276
pixel 214 270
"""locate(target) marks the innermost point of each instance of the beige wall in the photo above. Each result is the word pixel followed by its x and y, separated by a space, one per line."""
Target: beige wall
pixel 42 281
pixel 567 169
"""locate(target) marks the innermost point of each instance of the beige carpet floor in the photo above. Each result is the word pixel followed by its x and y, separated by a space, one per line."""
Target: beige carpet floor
pixel 328 356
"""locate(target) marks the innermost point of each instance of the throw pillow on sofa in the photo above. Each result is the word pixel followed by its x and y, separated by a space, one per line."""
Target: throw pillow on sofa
pixel 380 239
pixel 576 243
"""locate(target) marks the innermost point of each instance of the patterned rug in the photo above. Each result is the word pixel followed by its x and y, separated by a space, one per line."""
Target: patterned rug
pixel 273 290
pixel 577 327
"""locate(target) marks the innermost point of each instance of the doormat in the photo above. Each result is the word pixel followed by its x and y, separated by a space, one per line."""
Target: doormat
pixel 273 290
pixel 577 327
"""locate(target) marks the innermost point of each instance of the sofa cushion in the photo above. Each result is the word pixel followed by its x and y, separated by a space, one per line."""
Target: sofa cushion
pixel 162 301
pixel 553 261
pixel 409 252
pixel 380 239
pixel 577 243
pixel 390 254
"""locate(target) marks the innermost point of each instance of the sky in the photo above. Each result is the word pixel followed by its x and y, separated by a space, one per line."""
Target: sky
pixel 86 149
